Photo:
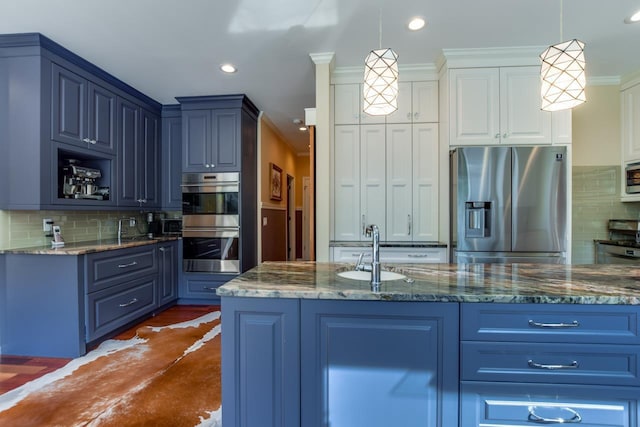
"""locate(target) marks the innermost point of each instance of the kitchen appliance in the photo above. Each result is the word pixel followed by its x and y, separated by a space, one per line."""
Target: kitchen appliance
pixel 509 204
pixel 623 246
pixel 210 222
pixel 79 182
pixel 632 178
pixel 171 226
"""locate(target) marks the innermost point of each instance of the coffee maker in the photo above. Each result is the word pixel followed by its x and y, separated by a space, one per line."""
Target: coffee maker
pixel 79 182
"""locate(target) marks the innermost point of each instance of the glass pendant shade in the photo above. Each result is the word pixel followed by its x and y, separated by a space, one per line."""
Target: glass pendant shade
pixel 381 82
pixel 562 75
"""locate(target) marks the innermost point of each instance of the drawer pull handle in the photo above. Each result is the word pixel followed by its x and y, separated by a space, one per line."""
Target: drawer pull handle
pixel 208 288
pixel 418 255
pixel 127 304
pixel 573 324
pixel 131 264
pixel 535 418
pixel 532 364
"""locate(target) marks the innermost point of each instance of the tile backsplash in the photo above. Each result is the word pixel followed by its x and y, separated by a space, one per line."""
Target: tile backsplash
pixel 20 229
pixel 596 199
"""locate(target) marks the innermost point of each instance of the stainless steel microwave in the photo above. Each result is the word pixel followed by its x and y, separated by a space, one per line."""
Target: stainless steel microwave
pixel 632 178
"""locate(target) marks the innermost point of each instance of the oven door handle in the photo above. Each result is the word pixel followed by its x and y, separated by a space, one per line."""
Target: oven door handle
pixel 211 232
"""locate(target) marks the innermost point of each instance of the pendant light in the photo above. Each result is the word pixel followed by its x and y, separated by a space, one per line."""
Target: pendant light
pixel 562 74
pixel 380 79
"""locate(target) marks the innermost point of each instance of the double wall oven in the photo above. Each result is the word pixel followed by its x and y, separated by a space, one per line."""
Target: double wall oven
pixel 210 222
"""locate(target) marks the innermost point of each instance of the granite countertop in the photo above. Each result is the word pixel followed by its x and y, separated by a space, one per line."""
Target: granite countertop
pixel 387 244
pixel 81 248
pixel 498 283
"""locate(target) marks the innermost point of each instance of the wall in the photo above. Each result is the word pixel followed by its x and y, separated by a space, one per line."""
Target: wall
pixel 596 171
pixel 19 229
pixel 274 149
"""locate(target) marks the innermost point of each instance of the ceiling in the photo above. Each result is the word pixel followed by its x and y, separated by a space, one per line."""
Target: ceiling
pixel 169 48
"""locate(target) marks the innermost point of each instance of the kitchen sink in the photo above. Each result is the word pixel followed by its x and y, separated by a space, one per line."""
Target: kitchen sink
pixel 366 275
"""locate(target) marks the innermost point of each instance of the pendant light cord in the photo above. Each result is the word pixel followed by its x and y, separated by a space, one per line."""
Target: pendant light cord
pixel 561 19
pixel 380 27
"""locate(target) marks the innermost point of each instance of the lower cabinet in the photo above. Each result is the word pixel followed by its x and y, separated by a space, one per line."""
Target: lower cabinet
pixel 289 362
pixel 524 405
pixel 168 266
pixel 70 301
pixel 391 255
pixel 528 364
pixel 200 288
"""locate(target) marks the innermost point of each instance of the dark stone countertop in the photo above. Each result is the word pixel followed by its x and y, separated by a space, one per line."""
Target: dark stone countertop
pixel 81 248
pixel 497 283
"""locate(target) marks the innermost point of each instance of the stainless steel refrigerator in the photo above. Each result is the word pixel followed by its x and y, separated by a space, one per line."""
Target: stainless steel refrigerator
pixel 509 204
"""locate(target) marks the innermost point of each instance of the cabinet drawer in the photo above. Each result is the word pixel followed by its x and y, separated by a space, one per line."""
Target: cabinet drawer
pixel 525 405
pixel 390 254
pixel 111 308
pixel 203 286
pixel 551 363
pixel 614 324
pixel 105 269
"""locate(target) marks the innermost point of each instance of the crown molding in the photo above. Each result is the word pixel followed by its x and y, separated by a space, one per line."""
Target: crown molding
pixel 630 80
pixel 490 57
pixel 406 73
pixel 322 57
pixel 603 81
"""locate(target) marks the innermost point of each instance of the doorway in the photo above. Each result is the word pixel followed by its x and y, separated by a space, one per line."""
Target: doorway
pixel 291 219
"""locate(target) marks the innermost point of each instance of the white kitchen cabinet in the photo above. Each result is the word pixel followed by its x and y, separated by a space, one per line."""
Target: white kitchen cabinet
pixel 347 106
pixel 412 182
pixel 417 103
pixel 346 179
pixel 372 178
pixel 630 124
pixel 390 255
pixel 497 105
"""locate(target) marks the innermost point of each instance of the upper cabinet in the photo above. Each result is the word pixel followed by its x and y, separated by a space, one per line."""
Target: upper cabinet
pixel 630 124
pixel 348 106
pixel 171 158
pixel 501 105
pixel 211 140
pixel 65 128
pixel 417 103
pixel 138 145
pixel 82 113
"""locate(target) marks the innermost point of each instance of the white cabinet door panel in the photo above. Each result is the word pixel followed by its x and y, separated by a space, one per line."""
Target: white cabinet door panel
pixel 425 183
pixel 347 182
pixel 399 182
pixel 372 173
pixel 425 102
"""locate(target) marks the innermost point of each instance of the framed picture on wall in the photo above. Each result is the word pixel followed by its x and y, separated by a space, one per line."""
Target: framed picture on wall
pixel 276 181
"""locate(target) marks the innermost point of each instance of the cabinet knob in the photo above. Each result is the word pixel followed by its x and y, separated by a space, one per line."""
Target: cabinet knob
pixel 409 116
pixel 163 249
pixel 504 135
pixel 416 115
pixel 87 140
pixel 497 136
pixel 93 141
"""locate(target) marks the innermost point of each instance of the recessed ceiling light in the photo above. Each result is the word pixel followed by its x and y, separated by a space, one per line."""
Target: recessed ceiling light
pixel 633 18
pixel 302 128
pixel 416 24
pixel 228 68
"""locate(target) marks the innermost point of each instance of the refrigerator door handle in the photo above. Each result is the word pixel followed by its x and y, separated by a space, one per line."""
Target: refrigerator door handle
pixel 408 225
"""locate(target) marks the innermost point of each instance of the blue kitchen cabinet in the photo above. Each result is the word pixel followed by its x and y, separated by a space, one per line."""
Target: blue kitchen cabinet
pixel 200 288
pixel 524 364
pixel 217 133
pixel 369 363
pixel 211 140
pixel 261 362
pixel 63 109
pixel 168 259
pixel 83 113
pixel 138 133
pixel 290 362
pixel 171 158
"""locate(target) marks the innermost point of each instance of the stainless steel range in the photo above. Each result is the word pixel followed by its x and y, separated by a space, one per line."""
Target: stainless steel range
pixel 623 246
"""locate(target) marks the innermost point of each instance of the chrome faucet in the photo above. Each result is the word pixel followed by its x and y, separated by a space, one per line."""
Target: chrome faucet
pixel 374 232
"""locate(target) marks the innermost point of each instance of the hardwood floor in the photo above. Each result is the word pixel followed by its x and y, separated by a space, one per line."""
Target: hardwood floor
pixel 18 370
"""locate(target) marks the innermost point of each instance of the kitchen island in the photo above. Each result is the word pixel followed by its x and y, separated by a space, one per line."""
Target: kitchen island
pixel 468 345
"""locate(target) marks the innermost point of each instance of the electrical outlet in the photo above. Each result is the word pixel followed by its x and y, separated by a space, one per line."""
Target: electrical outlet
pixel 46 224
